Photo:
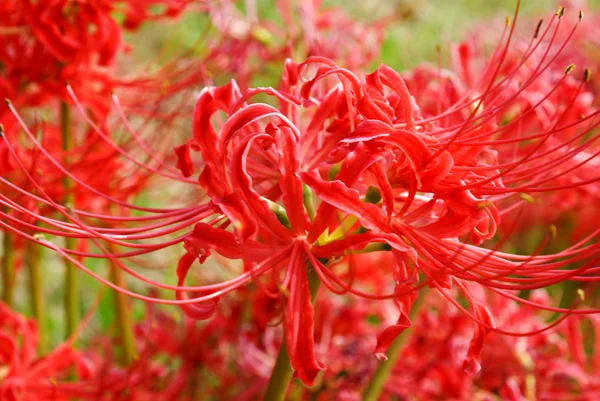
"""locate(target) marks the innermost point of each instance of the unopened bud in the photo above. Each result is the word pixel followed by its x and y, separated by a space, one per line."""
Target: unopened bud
pixel 373 195
pixel 280 212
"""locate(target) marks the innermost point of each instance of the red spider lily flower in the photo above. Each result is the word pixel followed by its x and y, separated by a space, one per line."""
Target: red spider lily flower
pixel 467 210
pixel 308 29
pixel 66 374
pixel 349 164
pixel 48 48
pixel 514 367
pixel 547 100
pixel 429 367
pixel 47 43
pixel 26 377
pixel 344 338
pixel 221 346
pixel 550 364
pixel 43 45
pixel 138 12
pixel 431 364
pixel 331 33
pixel 66 39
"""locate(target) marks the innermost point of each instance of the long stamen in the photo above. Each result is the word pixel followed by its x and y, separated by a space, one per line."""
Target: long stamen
pixel 72 177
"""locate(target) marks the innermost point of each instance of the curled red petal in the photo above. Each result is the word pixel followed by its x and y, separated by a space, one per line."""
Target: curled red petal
pixel 437 169
pixel 199 311
pixel 243 181
pixel 205 136
pixel 207 237
pixel 385 338
pixel 369 130
pixel 291 186
pixel 299 322
pixel 378 173
pixel 247 116
pixel 329 70
pixel 397 84
pixel 326 108
pixel 416 150
pixel 184 159
pixel 370 110
pixel 451 225
pixel 472 362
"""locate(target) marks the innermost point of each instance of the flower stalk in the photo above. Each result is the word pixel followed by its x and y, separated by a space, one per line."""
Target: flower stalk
pixel 36 290
pixel 8 269
pixel 280 377
pixel 71 287
pixel 123 315
pixel 282 374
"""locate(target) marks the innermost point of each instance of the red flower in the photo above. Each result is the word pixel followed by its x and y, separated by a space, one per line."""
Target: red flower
pixel 347 164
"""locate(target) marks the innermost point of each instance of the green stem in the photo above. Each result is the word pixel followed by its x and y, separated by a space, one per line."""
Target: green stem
pixel 383 370
pixel 71 289
pixel 282 374
pixel 8 269
pixel 123 314
pixel 34 258
pixel 71 293
pixel 280 377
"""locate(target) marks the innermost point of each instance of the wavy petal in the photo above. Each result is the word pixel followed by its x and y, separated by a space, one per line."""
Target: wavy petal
pixel 184 159
pixel 242 180
pixel 299 321
pixel 291 186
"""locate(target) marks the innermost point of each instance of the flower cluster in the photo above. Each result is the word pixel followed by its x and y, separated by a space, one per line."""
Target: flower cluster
pixel 386 174
pixel 47 43
pixel 344 206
